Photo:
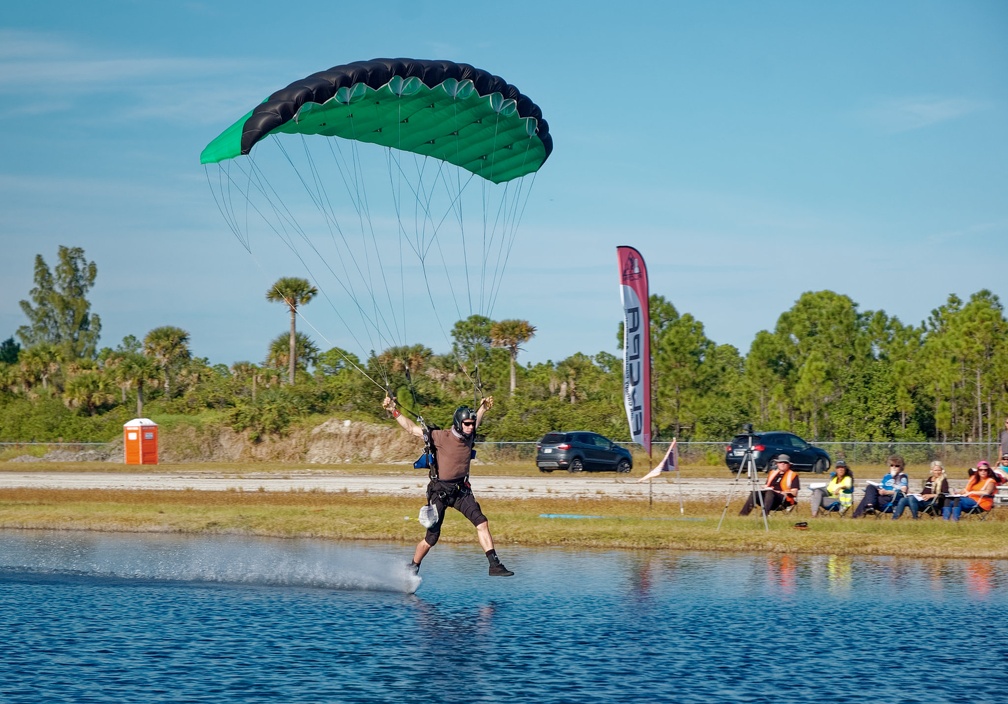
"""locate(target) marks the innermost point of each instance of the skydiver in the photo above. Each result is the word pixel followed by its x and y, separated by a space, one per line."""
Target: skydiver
pixel 449 484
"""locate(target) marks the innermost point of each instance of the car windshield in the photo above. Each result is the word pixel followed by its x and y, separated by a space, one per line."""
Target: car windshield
pixel 554 438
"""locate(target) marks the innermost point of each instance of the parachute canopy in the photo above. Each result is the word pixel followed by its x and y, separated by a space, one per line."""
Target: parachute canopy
pixel 396 187
pixel 450 111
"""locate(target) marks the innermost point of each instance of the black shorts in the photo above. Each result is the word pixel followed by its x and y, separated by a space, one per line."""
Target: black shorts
pixel 456 495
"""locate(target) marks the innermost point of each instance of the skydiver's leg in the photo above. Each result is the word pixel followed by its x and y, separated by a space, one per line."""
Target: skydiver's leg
pixel 470 508
pixel 422 548
pixel 432 536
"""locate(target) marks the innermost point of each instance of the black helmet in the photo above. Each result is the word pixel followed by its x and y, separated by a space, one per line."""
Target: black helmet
pixel 462 413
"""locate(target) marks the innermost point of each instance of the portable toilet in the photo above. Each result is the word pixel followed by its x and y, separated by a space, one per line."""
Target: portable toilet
pixel 140 441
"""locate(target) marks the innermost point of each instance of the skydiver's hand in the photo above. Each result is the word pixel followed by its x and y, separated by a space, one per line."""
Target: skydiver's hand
pixel 389 404
pixel 487 403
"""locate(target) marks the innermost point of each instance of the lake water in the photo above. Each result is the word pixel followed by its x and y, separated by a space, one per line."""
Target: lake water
pixel 149 618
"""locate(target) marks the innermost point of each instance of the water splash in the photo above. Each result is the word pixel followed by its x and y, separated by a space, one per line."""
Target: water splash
pixel 214 559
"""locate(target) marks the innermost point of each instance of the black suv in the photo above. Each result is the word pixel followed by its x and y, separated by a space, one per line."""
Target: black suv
pixel 767 446
pixel 580 450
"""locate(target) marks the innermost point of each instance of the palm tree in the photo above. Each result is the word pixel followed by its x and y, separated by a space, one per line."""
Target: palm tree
pixel 168 346
pixel 129 369
pixel 294 292
pixel 511 334
pixel 38 364
pixel 278 355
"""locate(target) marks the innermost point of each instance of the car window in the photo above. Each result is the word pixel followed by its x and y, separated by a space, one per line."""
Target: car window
pixel 601 441
pixel 553 438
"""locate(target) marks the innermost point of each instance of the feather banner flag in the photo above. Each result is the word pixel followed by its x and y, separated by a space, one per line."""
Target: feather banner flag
pixel 669 463
pixel 636 344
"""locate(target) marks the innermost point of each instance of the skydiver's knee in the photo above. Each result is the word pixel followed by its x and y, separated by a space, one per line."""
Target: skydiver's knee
pixel 432 538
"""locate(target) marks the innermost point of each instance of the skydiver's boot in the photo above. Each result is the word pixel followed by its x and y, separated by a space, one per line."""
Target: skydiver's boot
pixel 414 568
pixel 497 569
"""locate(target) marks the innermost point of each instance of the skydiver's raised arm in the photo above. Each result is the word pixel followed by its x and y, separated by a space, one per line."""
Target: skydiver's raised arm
pixel 405 423
pixel 485 405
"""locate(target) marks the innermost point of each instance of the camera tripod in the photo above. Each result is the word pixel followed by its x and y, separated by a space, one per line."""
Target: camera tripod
pixel 748 465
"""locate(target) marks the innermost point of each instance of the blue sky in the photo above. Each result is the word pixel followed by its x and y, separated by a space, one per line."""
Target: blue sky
pixel 750 151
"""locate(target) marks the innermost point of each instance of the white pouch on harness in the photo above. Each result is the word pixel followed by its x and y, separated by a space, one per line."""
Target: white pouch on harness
pixel 428 515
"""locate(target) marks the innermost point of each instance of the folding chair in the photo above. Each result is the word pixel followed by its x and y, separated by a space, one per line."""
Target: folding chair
pixel 837 508
pixel 887 508
pixel 978 512
pixel 933 509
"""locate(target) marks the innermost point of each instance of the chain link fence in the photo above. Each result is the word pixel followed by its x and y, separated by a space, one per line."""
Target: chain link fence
pixel 952 454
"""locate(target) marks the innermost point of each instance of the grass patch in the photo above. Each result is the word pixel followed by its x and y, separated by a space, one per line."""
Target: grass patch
pixel 620 523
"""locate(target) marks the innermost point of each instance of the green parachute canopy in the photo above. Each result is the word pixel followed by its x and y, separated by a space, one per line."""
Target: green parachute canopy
pixel 441 109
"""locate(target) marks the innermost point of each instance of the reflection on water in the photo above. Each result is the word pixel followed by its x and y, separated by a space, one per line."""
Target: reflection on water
pixel 90 617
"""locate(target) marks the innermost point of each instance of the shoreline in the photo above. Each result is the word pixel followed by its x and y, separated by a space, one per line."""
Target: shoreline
pixel 688 514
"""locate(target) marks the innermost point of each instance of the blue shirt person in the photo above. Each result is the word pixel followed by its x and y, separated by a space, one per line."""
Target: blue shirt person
pixel 894 485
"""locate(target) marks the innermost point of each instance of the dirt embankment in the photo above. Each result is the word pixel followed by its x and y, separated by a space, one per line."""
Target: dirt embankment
pixel 333 442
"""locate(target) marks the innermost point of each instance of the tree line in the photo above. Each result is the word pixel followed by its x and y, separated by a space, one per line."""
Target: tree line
pixel 827 371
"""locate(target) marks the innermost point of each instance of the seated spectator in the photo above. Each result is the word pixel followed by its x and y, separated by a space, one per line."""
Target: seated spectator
pixel 838 494
pixel 978 496
pixel 1001 471
pixel 880 496
pixel 932 493
pixel 780 491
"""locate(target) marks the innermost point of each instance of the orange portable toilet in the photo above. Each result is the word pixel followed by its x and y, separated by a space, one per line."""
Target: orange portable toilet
pixel 140 441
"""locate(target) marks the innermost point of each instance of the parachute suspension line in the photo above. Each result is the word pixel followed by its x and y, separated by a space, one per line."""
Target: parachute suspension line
pixel 498 272
pixel 512 213
pixel 369 325
pixel 377 325
pixel 347 252
pixel 225 204
pixel 372 246
pixel 331 222
pixel 424 198
pixel 519 204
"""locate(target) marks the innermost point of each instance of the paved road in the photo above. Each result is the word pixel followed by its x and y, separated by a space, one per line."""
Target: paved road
pixel 546 486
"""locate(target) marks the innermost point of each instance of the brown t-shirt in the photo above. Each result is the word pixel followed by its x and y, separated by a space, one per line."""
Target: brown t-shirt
pixel 453 455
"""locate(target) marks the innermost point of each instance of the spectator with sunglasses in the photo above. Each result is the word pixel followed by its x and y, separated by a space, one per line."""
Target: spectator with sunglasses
pixel 878 497
pixel 978 495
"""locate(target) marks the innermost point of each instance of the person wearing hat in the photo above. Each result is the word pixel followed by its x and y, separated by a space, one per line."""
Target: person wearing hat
pixel 978 496
pixel 880 496
pixel 840 488
pixel 779 492
pixel 933 493
pixel 1001 471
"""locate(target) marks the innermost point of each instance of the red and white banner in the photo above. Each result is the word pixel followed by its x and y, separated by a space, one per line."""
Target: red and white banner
pixel 669 463
pixel 636 344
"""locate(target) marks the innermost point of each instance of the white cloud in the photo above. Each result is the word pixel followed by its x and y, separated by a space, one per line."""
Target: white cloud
pixel 46 73
pixel 913 113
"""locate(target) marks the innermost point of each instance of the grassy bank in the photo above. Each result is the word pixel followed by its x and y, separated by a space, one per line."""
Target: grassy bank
pixel 600 523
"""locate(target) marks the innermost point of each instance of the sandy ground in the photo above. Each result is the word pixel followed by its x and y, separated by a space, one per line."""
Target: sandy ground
pixel 556 485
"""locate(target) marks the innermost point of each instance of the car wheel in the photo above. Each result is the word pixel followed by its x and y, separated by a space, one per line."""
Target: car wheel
pixel 576 465
pixel 820 466
pixel 623 466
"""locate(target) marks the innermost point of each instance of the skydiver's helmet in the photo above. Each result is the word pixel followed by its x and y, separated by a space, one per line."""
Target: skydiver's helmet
pixel 462 413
